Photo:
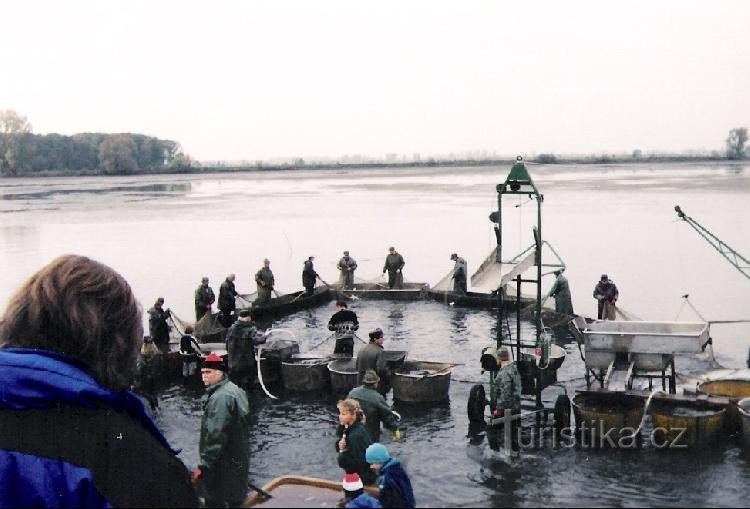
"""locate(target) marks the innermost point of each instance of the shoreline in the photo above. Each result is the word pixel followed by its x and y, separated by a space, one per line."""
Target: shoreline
pixel 221 169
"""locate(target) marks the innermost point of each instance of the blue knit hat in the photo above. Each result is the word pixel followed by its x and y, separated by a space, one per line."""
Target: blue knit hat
pixel 377 453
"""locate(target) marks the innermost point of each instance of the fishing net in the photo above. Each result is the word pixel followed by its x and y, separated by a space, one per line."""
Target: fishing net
pixel 209 328
pixel 446 283
pixel 245 301
pixel 179 325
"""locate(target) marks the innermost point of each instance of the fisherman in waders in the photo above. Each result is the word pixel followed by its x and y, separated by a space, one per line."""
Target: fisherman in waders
pixel 224 440
pixel 150 365
pixel 374 407
pixel 505 391
pixel 190 351
pixel 204 298
pixel 394 263
pixel 372 357
pixel 459 274
pixel 347 265
pixel 265 281
pixel 158 327
pixel 343 323
pixel 561 292
pixel 227 293
pixel 242 338
pixel 606 294
pixel 309 276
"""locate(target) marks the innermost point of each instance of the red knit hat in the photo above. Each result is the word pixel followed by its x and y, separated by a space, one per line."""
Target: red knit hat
pixel 213 361
pixel 352 482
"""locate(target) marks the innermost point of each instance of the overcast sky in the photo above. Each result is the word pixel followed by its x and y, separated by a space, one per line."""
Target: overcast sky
pixel 257 80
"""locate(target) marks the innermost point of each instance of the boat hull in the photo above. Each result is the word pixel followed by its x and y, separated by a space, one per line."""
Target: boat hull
pixel 744 410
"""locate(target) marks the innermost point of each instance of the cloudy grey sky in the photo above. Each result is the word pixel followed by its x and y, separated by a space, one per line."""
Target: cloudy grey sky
pixel 257 80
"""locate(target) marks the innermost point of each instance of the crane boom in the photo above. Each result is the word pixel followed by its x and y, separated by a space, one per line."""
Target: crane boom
pixel 737 260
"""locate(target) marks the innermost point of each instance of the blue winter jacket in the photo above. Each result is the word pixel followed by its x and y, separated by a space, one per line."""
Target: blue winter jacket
pixel 67 441
pixel 395 486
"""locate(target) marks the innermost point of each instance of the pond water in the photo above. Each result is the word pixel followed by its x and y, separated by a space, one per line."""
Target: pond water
pixel 163 233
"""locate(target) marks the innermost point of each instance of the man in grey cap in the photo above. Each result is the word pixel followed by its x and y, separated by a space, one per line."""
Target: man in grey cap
pixel 375 407
pixel 204 298
pixel 347 265
pixel 606 294
pixel 372 357
pixel 505 389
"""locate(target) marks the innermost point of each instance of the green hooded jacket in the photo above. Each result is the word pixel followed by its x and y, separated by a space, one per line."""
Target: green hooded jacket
pixel 224 441
pixel 376 410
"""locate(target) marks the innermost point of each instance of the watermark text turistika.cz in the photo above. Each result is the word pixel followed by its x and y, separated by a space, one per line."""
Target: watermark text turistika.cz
pixel 595 436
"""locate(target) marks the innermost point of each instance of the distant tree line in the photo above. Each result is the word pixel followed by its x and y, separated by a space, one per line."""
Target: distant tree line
pixel 23 153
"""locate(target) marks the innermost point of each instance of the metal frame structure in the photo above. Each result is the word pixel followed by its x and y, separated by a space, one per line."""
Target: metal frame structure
pixel 738 261
pixel 519 182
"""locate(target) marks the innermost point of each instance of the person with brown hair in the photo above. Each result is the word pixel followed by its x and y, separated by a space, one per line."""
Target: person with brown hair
pixel 71 433
pixel 353 440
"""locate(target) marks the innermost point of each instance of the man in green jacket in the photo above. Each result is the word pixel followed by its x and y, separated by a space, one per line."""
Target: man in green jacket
pixel 374 407
pixel 204 298
pixel 224 441
pixel 394 263
pixel 505 390
pixel 265 281
pixel 561 292
pixel 372 357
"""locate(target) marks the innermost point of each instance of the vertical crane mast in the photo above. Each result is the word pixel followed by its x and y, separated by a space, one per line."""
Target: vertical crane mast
pixel 737 260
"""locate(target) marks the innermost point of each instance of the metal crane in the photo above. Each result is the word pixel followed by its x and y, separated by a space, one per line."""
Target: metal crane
pixel 737 260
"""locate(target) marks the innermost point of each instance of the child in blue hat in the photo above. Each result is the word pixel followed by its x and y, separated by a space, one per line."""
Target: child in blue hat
pixel 393 481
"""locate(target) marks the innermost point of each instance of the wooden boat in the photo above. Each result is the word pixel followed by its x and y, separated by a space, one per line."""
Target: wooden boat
pixel 744 408
pixel 598 413
pixel 300 491
pixel 297 491
pixel 468 300
pixel 304 373
pixel 291 302
pixel 685 423
pixel 422 382
pixel 410 291
pixel 210 329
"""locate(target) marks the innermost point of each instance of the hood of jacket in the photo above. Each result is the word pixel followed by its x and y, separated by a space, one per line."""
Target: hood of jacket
pixel 39 379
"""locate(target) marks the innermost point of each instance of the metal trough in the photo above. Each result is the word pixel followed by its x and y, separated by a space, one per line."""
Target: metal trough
pixel 602 415
pixel 649 344
pixel 687 424
pixel 730 388
pixel 305 374
pixel 422 382
pixel 343 375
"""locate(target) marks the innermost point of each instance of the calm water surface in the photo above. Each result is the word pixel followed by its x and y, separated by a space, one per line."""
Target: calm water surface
pixel 165 232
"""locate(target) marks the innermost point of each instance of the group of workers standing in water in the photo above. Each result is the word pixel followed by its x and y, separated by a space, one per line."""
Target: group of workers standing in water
pixel 69 344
